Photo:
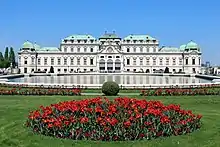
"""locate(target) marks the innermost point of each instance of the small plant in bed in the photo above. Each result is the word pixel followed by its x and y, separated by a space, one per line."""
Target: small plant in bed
pixel 118 120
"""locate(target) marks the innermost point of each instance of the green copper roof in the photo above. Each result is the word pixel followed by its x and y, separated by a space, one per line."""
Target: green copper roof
pixel 182 47
pixel 48 49
pixel 80 37
pixel 139 37
pixel 192 45
pixel 171 49
pixel 27 44
pixel 109 36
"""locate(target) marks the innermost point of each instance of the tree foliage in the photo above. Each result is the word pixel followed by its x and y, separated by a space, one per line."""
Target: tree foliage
pixel 7 59
pixel 1 57
pixel 12 57
pixel 6 53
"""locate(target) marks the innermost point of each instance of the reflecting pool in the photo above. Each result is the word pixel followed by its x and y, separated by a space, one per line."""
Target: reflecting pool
pixel 120 79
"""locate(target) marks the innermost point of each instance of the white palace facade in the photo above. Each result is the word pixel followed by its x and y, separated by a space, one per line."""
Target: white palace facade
pixel 109 53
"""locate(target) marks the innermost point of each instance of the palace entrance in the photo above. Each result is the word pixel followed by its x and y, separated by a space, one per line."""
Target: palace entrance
pixel 110 65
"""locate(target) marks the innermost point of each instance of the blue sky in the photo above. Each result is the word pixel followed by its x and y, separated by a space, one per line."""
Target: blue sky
pixel 173 22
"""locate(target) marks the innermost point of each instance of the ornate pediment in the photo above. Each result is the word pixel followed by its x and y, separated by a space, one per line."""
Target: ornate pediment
pixel 109 50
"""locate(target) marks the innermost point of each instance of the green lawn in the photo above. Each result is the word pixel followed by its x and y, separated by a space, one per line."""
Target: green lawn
pixel 14 110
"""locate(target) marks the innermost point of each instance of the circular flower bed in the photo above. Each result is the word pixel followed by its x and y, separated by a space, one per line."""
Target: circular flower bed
pixel 120 119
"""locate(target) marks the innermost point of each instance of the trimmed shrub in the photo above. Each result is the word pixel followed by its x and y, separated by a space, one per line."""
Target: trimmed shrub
pixel 110 88
pixel 118 120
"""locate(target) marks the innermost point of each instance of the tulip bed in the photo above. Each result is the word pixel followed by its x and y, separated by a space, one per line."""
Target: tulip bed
pixel 24 90
pixel 112 120
pixel 39 91
pixel 181 91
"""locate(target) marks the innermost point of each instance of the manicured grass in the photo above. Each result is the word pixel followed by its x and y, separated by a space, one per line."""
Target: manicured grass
pixel 14 111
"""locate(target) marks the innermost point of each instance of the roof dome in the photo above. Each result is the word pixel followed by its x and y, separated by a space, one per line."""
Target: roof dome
pixel 192 45
pixel 182 47
pixel 28 45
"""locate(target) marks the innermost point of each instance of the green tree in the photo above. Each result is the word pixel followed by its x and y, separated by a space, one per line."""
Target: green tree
pixel 6 53
pixel 1 57
pixel 12 57
pixel 1 60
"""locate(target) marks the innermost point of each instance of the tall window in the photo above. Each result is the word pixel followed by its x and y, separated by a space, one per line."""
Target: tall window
pixel 148 61
pixel 134 62
pixel 174 61
pixel 32 61
pixel 25 61
pixel 154 61
pixel 199 61
pixel 65 61
pixel 78 61
pixel 52 61
pixel 38 61
pixel 154 49
pixel 161 61
pixel 128 61
pixel 167 61
pixel 71 61
pixel 134 49
pixel 91 49
pixel 186 61
pixel 91 61
pixel 85 61
pixel 141 49
pixel 180 61
pixel 78 49
pixel 128 50
pixel 72 49
pixel 65 49
pixel 85 49
pixel 193 62
pixel 58 61
pixel 141 61
pixel 45 61
pixel 148 49
pixel 19 61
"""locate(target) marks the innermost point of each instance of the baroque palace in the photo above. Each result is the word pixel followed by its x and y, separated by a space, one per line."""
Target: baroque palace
pixel 109 53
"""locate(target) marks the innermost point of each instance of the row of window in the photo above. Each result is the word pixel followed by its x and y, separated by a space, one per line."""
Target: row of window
pixel 124 41
pixel 141 49
pixel 154 70
pixel 109 57
pixel 92 50
pixel 128 61
pixel 139 41
pixel 78 49
pixel 80 41
pixel 161 62
pixel 65 70
pixel 65 60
